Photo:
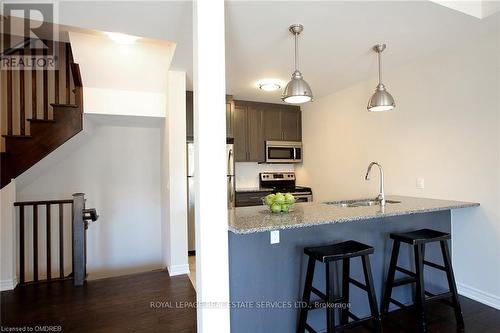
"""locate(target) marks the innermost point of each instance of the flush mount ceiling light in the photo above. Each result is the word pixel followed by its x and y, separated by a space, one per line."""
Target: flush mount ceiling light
pixel 269 84
pixel 297 91
pixel 381 100
pixel 122 38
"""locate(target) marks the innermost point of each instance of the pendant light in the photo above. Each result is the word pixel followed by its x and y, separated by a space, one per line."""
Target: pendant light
pixel 381 100
pixel 297 91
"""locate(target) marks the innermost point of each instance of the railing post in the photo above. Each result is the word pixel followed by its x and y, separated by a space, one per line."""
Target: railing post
pixel 79 255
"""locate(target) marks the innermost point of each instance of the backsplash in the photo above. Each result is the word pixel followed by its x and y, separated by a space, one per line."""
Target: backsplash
pixel 247 173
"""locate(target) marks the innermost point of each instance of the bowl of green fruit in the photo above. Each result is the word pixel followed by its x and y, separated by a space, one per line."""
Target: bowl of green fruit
pixel 279 202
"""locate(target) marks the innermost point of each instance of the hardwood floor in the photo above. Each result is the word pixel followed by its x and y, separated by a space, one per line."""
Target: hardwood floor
pixel 478 318
pixel 123 304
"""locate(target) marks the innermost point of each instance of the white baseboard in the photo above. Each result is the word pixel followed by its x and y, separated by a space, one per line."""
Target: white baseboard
pixel 178 269
pixel 479 295
pixel 8 284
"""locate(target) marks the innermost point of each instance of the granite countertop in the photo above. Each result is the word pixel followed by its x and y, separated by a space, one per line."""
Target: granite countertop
pixel 247 220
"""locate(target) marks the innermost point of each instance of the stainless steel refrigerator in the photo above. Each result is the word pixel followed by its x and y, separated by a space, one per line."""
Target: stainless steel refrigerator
pixel 190 181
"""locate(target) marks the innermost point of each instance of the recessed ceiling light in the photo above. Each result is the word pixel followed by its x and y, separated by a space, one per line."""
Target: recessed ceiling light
pixel 269 84
pixel 122 38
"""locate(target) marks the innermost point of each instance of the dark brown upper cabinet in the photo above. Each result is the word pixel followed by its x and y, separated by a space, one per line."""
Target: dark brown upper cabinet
pixel 190 116
pixel 291 124
pixel 255 123
pixel 248 134
pixel 229 116
pixel 282 122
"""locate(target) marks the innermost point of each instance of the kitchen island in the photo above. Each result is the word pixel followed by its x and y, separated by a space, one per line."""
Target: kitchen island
pixel 266 280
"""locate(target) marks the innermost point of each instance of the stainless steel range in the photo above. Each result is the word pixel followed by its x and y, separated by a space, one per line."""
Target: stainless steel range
pixel 285 182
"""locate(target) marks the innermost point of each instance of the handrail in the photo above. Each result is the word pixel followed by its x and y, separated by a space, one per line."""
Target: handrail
pixel 18 47
pixel 33 206
pixel 77 79
pixel 44 202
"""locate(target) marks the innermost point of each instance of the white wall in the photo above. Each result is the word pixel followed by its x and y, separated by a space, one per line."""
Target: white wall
pixel 445 129
pixel 247 173
pixel 8 244
pixel 174 177
pixel 116 163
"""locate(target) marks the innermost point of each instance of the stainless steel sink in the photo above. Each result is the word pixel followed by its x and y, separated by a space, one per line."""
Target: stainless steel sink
pixel 359 203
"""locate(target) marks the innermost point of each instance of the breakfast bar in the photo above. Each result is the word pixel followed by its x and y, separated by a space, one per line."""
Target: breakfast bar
pixel 266 280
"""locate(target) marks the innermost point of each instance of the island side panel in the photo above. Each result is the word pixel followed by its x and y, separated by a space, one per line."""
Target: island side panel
pixel 267 279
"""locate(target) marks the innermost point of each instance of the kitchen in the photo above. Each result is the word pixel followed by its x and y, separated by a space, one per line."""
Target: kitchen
pixel 337 138
pixel 258 166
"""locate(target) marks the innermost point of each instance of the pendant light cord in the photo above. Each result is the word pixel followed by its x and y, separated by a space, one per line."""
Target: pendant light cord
pixel 379 68
pixel 296 52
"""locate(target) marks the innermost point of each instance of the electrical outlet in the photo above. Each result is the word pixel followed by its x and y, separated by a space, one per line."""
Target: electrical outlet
pixel 420 183
pixel 275 236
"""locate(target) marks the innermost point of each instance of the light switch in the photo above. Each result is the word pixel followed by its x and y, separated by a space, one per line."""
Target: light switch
pixel 275 236
pixel 420 183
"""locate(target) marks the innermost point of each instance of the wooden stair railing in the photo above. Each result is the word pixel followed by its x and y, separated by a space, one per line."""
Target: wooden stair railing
pixel 68 215
pixel 31 132
pixel 27 207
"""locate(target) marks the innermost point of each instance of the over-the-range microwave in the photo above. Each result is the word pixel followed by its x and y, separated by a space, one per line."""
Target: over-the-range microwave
pixel 283 152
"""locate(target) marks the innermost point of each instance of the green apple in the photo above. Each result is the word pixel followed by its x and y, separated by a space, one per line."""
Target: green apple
pixel 276 208
pixel 289 198
pixel 285 208
pixel 279 198
pixel 269 199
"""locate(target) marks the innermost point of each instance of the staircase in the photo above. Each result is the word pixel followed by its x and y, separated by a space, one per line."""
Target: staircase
pixel 33 132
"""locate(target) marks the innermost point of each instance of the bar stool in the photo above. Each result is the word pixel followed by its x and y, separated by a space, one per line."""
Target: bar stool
pixel 328 254
pixel 418 239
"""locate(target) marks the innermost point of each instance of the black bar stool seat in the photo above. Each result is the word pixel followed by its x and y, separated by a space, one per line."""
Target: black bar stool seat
pixel 338 251
pixel 418 239
pixel 420 236
pixel 328 254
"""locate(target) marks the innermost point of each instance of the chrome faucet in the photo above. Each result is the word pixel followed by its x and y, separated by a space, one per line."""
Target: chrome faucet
pixel 381 195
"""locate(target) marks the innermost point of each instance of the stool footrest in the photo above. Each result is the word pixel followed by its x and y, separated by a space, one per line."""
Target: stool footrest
pixel 358 322
pixel 434 297
pixel 319 293
pixel 352 315
pixel 403 281
pixel 358 284
pixel 309 328
pixel 320 303
pixel 398 303
pixel 405 271
pixel 433 265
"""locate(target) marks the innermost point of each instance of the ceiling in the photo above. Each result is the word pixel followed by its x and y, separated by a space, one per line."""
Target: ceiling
pixel 335 47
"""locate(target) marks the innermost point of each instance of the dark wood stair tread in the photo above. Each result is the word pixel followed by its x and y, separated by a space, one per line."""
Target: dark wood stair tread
pixel 41 120
pixel 64 105
pixel 17 136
